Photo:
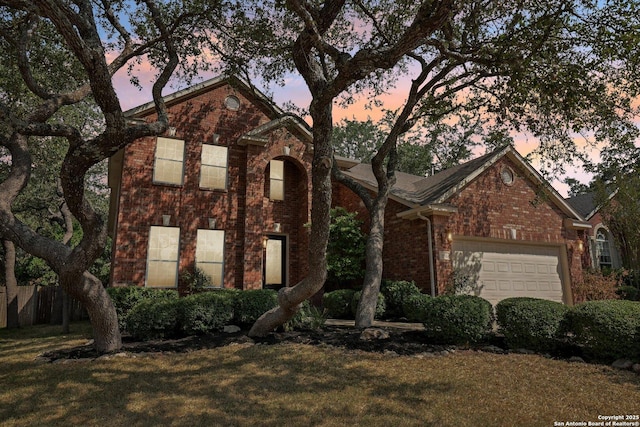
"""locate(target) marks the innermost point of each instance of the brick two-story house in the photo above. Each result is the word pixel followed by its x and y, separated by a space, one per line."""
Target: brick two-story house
pixel 227 189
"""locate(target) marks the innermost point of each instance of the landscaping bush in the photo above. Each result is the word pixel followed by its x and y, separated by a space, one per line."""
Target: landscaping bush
pixel 250 305
pixel 596 286
pixel 380 305
pixel 154 318
pixel 395 293
pixel 338 303
pixel 530 322
pixel 414 307
pixel 458 319
pixel 308 317
pixel 630 293
pixel 205 312
pixel 345 249
pixel 125 298
pixel 608 330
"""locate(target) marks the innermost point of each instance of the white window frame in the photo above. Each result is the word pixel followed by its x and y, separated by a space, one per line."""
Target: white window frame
pixel 205 166
pixel 206 258
pixel 276 179
pixel 603 248
pixel 164 158
pixel 158 255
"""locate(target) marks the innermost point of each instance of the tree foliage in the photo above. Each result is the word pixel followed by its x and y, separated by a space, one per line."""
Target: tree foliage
pixel 346 248
pixel 56 56
pixel 552 69
pixel 619 201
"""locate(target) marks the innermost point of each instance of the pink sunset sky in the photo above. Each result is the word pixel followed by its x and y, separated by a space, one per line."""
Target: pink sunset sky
pixel 295 91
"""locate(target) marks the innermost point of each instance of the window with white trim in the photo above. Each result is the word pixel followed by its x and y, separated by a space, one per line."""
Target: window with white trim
pixel 276 180
pixel 210 255
pixel 603 249
pixel 162 257
pixel 169 161
pixel 213 170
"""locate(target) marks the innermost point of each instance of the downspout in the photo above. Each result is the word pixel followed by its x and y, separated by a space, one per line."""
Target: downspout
pixel 430 244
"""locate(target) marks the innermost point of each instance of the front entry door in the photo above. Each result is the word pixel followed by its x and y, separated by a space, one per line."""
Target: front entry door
pixel 275 262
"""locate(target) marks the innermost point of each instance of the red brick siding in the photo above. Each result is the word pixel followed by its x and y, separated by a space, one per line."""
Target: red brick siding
pixel 487 208
pixel 239 210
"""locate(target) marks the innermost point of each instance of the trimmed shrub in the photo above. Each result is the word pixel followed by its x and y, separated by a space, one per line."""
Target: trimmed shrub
pixel 251 304
pixel 530 322
pixel 380 305
pixel 395 293
pixel 338 303
pixel 458 319
pixel 414 307
pixel 608 330
pixel 205 312
pixel 153 318
pixel 125 298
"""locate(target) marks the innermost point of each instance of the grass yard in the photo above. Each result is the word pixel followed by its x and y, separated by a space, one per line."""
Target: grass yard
pixel 299 385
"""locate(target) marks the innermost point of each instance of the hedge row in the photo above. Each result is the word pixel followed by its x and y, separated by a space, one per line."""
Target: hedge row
pixel 153 314
pixel 603 330
pixel 343 303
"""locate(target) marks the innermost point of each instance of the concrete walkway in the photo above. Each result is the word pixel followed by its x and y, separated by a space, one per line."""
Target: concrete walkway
pixel 378 324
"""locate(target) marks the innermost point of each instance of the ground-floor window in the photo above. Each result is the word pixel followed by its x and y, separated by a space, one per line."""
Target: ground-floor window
pixel 210 255
pixel 162 257
pixel 603 249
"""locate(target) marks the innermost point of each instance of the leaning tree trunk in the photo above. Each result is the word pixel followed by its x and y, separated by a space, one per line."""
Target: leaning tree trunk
pixel 68 235
pixel 13 319
pixel 94 298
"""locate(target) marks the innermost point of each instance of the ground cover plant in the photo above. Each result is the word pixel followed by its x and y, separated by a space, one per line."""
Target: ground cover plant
pixel 297 384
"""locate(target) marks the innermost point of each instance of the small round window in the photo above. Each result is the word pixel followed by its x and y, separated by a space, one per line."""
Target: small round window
pixel 232 103
pixel 507 175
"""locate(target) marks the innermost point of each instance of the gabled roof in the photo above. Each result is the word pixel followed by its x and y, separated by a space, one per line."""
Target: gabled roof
pixel 586 204
pixel 417 192
pixel 205 86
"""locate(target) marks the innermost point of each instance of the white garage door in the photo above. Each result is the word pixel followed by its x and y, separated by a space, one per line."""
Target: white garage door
pixel 504 270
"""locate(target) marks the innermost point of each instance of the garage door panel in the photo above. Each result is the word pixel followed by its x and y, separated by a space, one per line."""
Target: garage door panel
pixel 504 270
pixel 503 267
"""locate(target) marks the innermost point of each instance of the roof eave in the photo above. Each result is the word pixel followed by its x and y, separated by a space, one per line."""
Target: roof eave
pixel 428 210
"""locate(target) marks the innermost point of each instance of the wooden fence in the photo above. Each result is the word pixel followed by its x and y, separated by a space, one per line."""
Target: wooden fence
pixel 39 304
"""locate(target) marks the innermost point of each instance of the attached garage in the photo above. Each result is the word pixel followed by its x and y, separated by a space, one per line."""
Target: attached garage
pixel 504 269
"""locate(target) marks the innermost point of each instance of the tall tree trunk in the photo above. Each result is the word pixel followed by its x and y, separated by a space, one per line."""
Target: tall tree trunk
pixel 366 310
pixel 13 320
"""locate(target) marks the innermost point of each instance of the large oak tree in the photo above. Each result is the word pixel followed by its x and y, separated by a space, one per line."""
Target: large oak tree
pixel 555 69
pixel 62 53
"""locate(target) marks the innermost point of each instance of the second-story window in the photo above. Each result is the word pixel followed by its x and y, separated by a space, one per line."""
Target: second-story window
pixel 276 180
pixel 169 161
pixel 213 173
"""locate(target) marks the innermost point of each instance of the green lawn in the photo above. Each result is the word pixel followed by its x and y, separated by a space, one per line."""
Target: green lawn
pixel 299 385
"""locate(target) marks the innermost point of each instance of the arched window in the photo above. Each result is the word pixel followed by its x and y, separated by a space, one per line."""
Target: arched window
pixel 603 248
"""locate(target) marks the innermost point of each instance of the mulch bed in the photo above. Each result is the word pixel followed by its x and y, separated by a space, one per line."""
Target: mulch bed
pixel 399 342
